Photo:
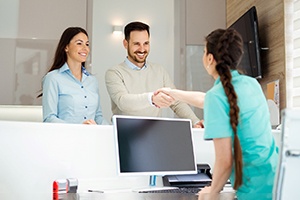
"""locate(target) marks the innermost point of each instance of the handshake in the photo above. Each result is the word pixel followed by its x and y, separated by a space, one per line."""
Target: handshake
pixel 165 97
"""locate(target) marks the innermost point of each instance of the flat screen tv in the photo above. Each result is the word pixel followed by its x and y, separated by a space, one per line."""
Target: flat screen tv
pixel 154 146
pixel 247 26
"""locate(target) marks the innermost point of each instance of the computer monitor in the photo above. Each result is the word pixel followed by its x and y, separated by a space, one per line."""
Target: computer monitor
pixel 154 146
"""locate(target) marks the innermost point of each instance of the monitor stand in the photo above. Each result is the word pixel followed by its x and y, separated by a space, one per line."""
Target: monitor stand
pixel 152 186
pixel 152 180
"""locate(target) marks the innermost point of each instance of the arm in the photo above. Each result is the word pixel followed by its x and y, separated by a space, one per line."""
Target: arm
pixel 193 98
pixel 181 109
pixel 50 100
pixel 223 165
pixel 98 115
pixel 120 95
pixel 162 100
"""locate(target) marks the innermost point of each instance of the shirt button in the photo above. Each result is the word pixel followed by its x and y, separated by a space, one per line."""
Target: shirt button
pixel 85 106
pixel 82 86
pixel 84 118
pixel 85 96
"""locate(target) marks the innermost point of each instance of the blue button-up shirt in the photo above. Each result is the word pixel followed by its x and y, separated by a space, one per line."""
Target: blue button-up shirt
pixel 68 100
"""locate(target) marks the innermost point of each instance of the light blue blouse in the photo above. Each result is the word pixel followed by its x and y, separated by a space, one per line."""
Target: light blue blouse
pixel 67 100
pixel 259 152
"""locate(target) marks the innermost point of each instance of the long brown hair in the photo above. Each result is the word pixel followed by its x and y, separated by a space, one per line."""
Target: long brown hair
pixel 227 49
pixel 60 57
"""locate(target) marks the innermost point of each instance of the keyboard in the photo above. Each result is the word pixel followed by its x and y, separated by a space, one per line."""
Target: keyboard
pixel 186 190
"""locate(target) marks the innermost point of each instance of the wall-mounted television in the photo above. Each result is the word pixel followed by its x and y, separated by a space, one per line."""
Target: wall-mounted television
pixel 247 26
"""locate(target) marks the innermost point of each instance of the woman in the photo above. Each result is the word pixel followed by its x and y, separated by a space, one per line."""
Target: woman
pixel 236 117
pixel 70 93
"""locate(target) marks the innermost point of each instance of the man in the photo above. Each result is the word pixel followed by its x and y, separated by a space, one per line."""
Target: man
pixel 132 84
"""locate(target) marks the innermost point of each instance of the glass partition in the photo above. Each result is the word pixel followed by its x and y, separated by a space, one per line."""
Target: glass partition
pixel 197 77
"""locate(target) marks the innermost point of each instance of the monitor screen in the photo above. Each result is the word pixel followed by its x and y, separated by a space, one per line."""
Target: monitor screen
pixel 154 146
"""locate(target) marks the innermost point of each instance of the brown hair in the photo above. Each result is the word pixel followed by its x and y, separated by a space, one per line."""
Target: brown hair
pixel 227 48
pixel 60 54
pixel 135 26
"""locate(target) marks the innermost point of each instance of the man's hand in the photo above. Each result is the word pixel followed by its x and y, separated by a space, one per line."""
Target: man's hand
pixel 199 124
pixel 162 100
pixel 165 90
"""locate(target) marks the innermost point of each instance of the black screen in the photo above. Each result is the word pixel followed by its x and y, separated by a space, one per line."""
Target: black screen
pixel 247 26
pixel 154 146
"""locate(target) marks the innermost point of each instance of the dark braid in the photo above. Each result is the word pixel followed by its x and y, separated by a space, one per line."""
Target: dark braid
pixel 227 53
pixel 225 77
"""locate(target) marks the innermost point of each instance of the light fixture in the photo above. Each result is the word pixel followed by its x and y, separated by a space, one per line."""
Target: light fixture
pixel 117 30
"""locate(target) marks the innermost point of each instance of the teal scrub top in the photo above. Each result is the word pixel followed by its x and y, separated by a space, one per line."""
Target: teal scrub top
pixel 259 151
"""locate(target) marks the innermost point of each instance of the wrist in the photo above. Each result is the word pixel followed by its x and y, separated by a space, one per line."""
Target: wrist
pixel 150 98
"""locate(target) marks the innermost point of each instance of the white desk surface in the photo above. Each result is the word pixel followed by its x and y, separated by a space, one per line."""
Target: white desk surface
pixel 33 155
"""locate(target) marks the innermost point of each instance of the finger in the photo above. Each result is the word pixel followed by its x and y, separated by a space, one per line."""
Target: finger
pixel 167 98
pixel 156 92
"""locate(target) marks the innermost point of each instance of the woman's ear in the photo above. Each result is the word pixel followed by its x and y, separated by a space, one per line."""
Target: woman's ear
pixel 210 58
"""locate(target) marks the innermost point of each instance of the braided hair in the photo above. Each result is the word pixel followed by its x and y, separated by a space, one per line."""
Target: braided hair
pixel 227 48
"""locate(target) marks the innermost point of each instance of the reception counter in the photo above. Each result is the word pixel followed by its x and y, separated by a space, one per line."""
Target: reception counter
pixel 34 154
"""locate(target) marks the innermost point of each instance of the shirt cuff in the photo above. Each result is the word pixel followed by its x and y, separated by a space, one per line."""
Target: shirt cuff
pixel 150 94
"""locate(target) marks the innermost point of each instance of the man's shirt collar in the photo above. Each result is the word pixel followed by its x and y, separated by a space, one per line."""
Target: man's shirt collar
pixel 133 66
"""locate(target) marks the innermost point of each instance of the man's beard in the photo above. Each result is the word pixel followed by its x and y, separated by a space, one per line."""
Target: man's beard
pixel 134 57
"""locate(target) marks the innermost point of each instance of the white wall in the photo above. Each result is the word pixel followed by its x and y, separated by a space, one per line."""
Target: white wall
pixel 202 17
pixel 9 10
pixel 107 49
pixel 27 19
pixel 29 32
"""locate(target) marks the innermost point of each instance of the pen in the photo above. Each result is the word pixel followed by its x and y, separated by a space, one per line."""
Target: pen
pixel 99 191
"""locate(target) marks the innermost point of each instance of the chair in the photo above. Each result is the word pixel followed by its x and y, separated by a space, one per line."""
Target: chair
pixel 288 173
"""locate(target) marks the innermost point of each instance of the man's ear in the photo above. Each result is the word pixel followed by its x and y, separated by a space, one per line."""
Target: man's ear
pixel 125 44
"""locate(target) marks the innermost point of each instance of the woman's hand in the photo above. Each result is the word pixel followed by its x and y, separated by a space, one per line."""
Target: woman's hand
pixel 206 194
pixel 166 90
pixel 162 100
pixel 90 122
pixel 193 98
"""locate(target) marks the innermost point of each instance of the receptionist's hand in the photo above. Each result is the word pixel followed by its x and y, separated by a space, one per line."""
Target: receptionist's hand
pixel 162 100
pixel 205 194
